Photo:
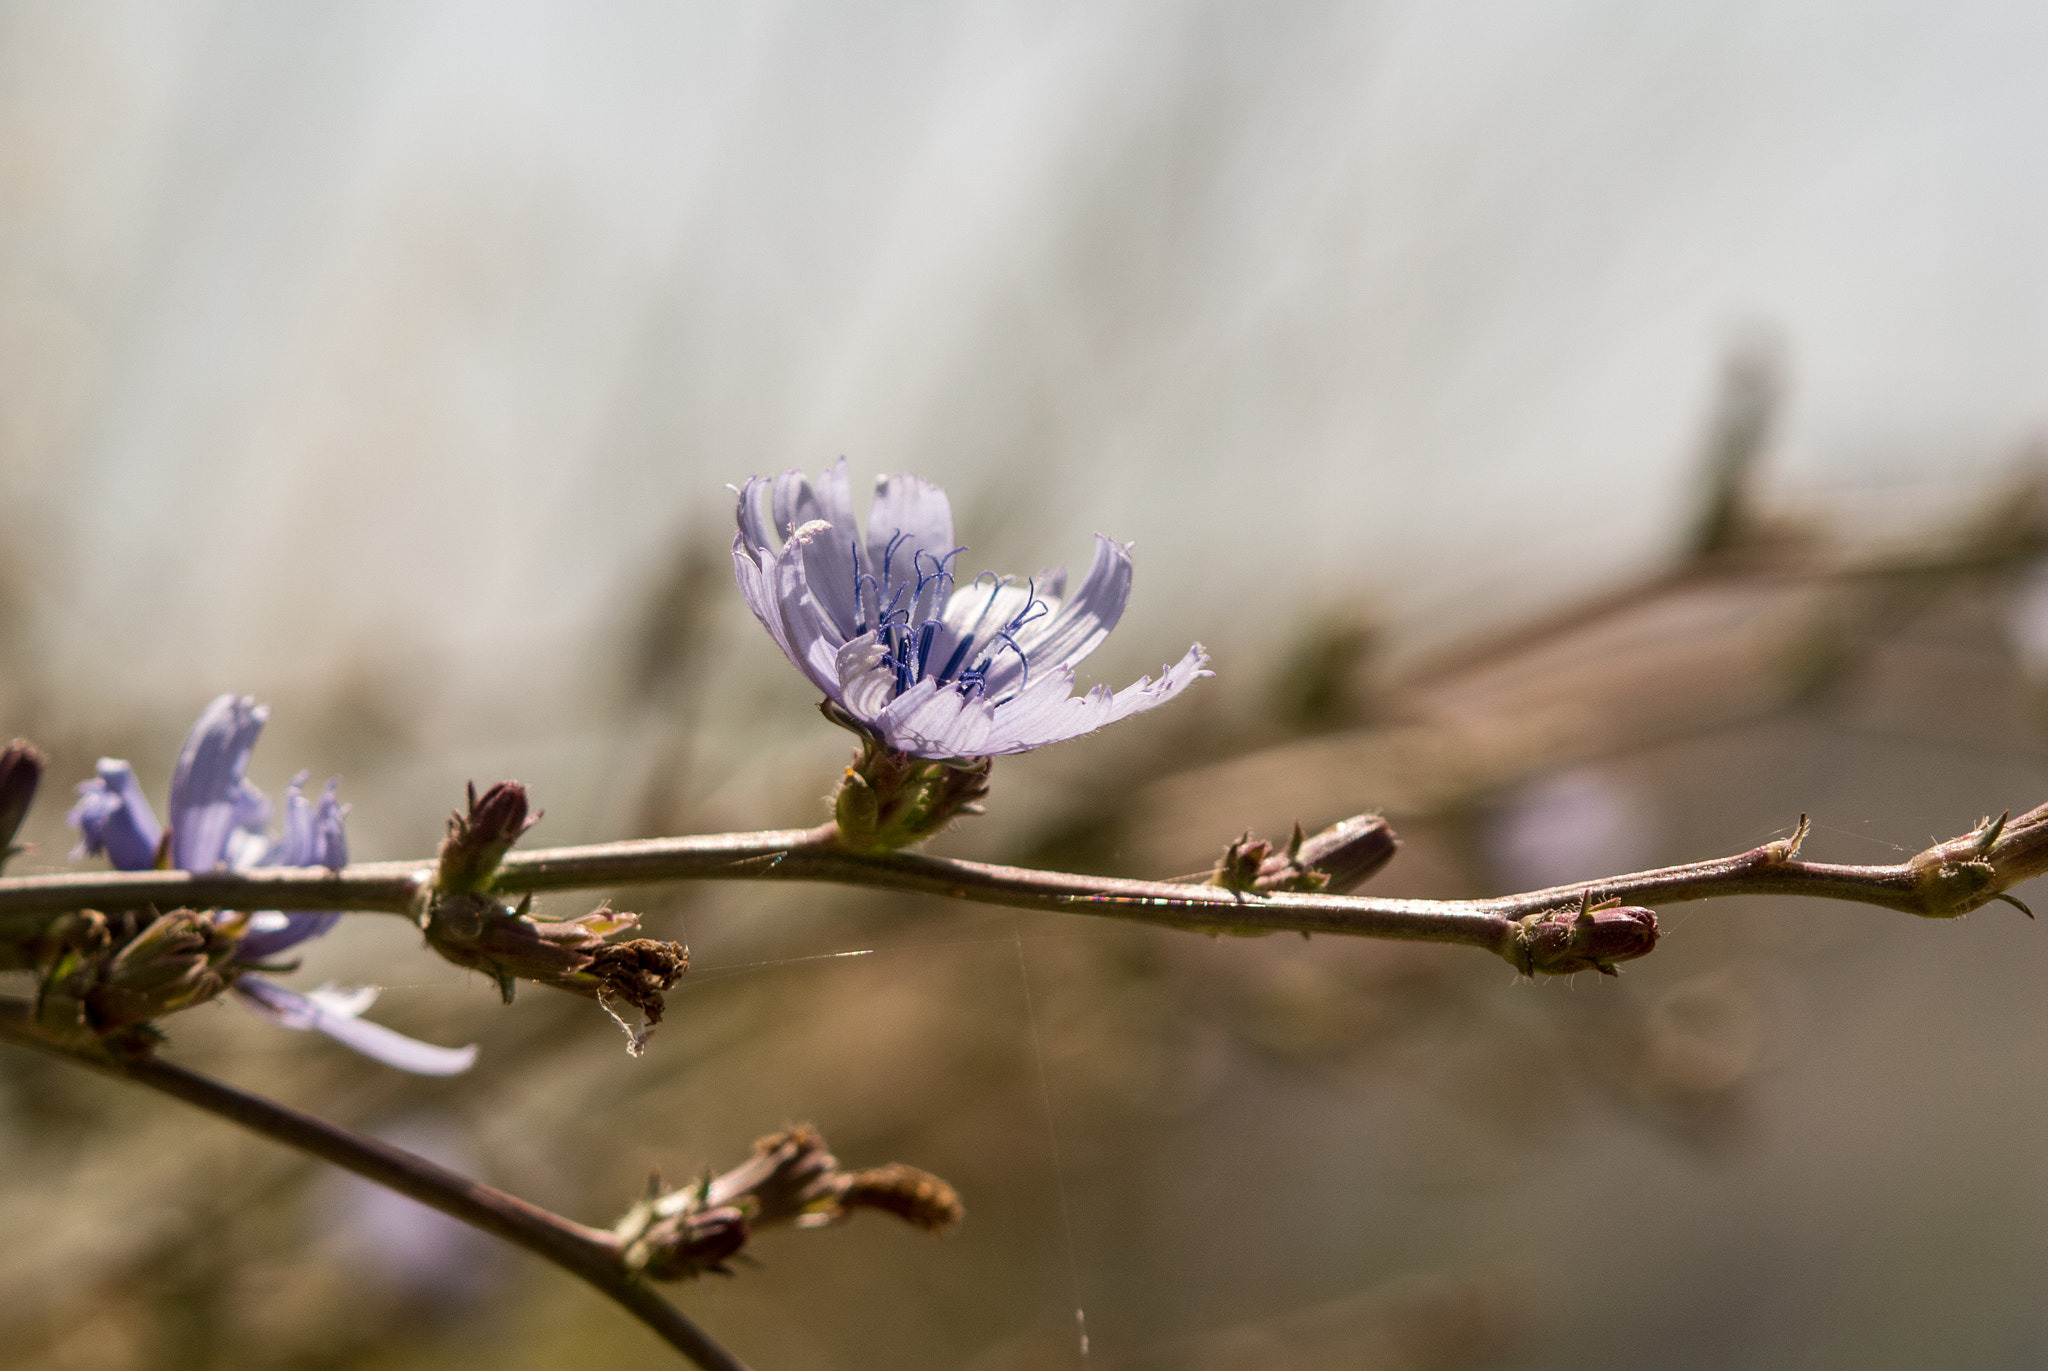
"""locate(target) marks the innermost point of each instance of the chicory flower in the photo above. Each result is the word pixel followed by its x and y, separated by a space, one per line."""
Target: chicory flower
pixel 913 656
pixel 218 818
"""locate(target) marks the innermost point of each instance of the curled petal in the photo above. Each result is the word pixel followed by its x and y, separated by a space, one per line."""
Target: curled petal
pixel 273 931
pixel 866 678
pixel 113 816
pixel 757 535
pixel 830 558
pixel 313 836
pixel 1079 625
pixel 778 591
pixel 335 1012
pixel 211 798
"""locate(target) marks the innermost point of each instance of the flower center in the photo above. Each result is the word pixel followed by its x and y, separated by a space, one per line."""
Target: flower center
pixel 911 625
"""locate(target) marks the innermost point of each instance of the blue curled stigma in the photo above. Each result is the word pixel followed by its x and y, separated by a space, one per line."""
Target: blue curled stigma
pixel 974 680
pixel 905 632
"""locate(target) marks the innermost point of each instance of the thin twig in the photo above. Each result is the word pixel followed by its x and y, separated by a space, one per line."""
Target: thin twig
pixel 1948 879
pixel 591 1254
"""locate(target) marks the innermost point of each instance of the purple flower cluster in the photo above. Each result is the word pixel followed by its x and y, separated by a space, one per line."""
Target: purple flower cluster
pixel 219 819
pixel 931 666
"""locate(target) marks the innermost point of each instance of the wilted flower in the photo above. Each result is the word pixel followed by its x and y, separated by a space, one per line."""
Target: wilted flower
pixel 909 655
pixel 792 1178
pixel 220 819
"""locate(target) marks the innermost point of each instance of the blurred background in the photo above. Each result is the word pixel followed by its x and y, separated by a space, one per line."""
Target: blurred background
pixel 1591 435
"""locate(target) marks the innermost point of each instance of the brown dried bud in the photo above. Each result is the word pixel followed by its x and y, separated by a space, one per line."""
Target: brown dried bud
pixel 1335 861
pixel 479 840
pixel 888 800
pixel 793 1179
pixel 917 1197
pixel 1589 938
pixel 21 770
pixel 511 945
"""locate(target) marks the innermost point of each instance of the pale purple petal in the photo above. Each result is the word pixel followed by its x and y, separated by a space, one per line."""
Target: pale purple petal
pixel 831 563
pixel 835 498
pixel 774 589
pixel 941 722
pixel 754 588
pixel 313 836
pixel 910 533
pixel 866 679
pixel 1032 713
pixel 757 528
pixel 1070 718
pixel 113 816
pixel 814 637
pixel 273 931
pixel 210 795
pixel 330 831
pixel 1050 713
pixel 1078 627
pixel 1146 692
pixel 334 1013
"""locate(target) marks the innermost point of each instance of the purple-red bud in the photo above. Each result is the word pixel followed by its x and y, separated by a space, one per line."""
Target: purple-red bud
pixel 1565 941
pixel 478 841
pixel 21 771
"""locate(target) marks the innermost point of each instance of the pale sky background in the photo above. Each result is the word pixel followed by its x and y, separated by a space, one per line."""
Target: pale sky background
pixel 326 328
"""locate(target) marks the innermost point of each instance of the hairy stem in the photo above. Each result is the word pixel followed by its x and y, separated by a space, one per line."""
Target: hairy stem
pixel 1946 880
pixel 591 1254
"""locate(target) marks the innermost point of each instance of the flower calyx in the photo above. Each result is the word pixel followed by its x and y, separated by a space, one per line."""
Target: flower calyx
pixel 628 977
pixel 1562 942
pixel 478 841
pixel 104 978
pixel 889 800
pixel 792 1179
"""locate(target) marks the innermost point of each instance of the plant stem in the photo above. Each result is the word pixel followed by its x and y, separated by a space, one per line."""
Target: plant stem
pixel 588 1253
pixel 1946 880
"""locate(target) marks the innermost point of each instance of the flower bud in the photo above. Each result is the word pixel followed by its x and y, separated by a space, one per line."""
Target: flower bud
pixel 1335 861
pixel 21 770
pixel 1564 941
pixel 479 840
pixel 687 1245
pixel 96 985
